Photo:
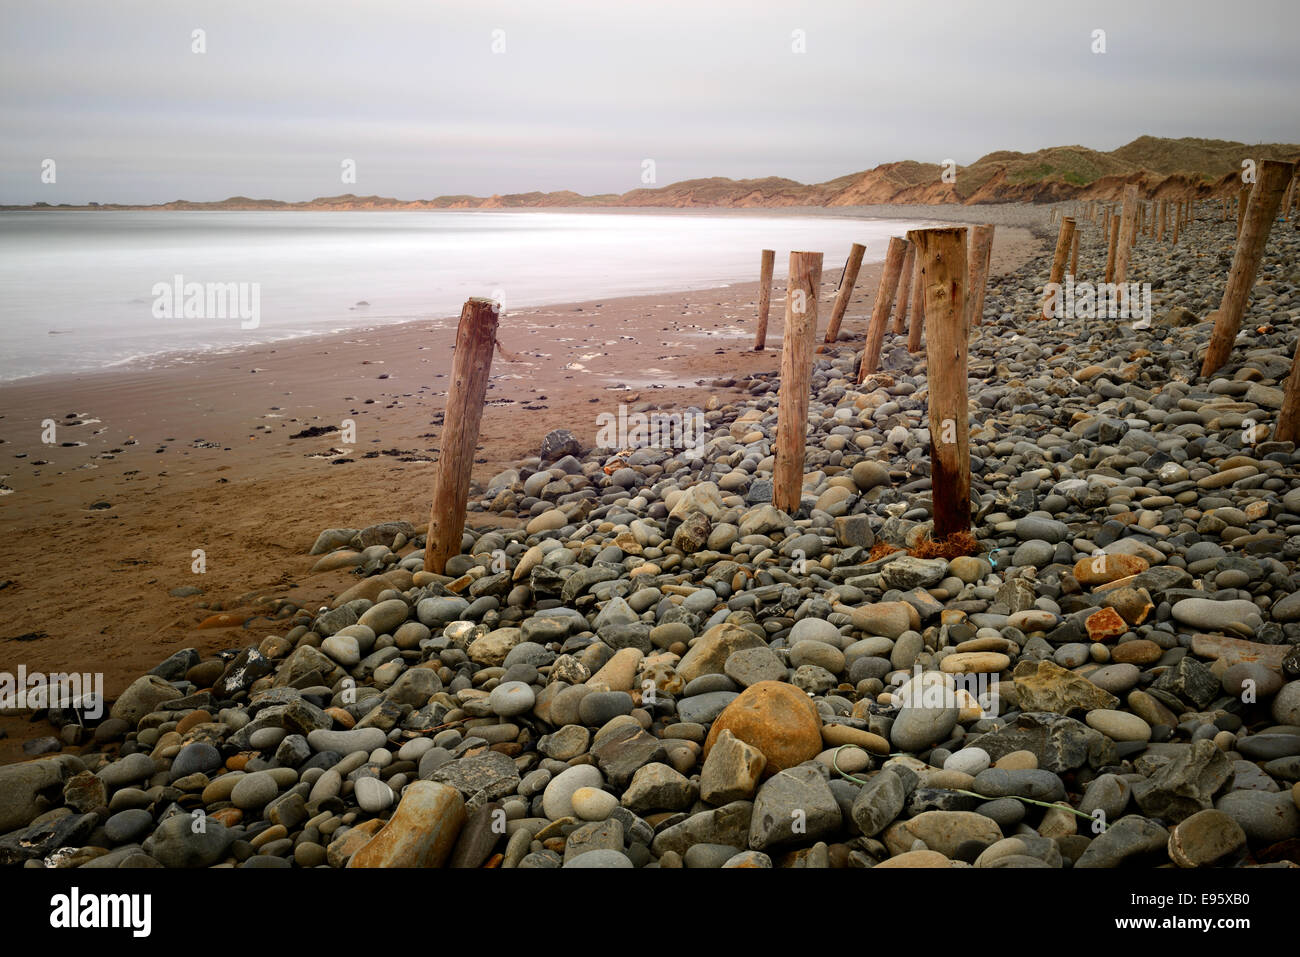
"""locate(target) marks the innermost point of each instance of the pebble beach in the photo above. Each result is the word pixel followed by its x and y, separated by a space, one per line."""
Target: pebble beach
pixel 637 661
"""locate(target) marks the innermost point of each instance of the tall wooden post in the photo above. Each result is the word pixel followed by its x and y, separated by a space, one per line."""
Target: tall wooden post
pixel 796 372
pixel 917 325
pixel 893 268
pixel 943 252
pixel 1064 240
pixel 1178 225
pixel 1243 199
pixel 1164 220
pixel 766 262
pixel 1074 254
pixel 850 277
pixel 472 361
pixel 981 254
pixel 1126 225
pixel 1256 223
pixel 904 289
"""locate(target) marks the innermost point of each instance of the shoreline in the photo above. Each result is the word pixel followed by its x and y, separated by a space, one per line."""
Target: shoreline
pixel 189 355
pixel 1019 216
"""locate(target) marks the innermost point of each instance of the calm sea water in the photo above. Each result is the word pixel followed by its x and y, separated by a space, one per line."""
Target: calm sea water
pixel 88 290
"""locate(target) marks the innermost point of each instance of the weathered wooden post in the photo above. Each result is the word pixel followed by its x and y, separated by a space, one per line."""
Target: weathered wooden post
pixel 1126 227
pixel 1074 254
pixel 1256 223
pixel 476 336
pixel 766 261
pixel 1111 246
pixel 1164 220
pixel 917 323
pixel 1178 224
pixel 904 288
pixel 943 252
pixel 1243 199
pixel 796 371
pixel 1064 240
pixel 981 254
pixel 893 268
pixel 1288 420
pixel 847 280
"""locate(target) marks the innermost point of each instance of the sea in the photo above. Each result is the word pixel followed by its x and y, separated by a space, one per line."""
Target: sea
pixel 84 290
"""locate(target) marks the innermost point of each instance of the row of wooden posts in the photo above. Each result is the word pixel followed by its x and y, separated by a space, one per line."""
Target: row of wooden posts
pixel 943 279
pixel 937 277
pixel 1257 207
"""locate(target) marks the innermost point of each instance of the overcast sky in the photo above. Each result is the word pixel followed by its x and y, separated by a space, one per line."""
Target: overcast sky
pixel 584 92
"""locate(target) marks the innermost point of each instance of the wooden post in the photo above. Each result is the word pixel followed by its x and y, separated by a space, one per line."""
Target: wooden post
pixel 917 325
pixel 893 268
pixel 1178 225
pixel 904 289
pixel 1164 220
pixel 1111 246
pixel 1288 420
pixel 1064 239
pixel 766 262
pixel 470 364
pixel 796 372
pixel 1126 224
pixel 1243 199
pixel 943 252
pixel 981 254
pixel 1256 223
pixel 1074 254
pixel 847 280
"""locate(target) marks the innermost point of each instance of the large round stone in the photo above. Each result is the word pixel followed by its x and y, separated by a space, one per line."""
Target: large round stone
pixel 776 718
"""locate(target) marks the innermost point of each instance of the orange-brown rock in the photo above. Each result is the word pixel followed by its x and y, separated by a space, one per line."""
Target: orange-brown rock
pixel 421 832
pixel 1101 569
pixel 1133 604
pixel 342 717
pixel 1140 652
pixel 229 816
pixel 352 840
pixel 191 719
pixel 1105 624
pixel 776 718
